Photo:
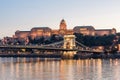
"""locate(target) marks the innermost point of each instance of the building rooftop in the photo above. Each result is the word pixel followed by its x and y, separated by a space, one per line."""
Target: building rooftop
pixel 40 28
pixel 88 27
pixel 104 29
pixel 21 31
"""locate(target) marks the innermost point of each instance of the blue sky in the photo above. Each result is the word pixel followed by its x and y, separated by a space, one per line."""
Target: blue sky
pixel 26 14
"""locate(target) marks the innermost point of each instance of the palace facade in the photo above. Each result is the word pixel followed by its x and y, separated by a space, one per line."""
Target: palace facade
pixel 90 30
pixel 44 31
pixel 47 32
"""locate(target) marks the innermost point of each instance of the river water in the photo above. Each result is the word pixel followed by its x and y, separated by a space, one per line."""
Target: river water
pixel 57 69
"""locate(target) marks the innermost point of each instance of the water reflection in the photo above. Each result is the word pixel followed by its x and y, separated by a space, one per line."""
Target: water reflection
pixel 56 69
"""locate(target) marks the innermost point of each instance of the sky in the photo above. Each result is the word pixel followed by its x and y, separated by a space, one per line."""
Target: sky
pixel 26 14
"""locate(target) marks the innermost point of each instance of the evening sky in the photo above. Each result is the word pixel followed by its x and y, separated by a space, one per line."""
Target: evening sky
pixel 26 14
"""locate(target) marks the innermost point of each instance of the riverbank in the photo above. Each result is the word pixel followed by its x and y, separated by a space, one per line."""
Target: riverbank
pixel 97 56
pixel 32 55
pixel 77 56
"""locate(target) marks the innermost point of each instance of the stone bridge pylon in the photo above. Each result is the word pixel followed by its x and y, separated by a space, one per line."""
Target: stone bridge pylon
pixel 69 43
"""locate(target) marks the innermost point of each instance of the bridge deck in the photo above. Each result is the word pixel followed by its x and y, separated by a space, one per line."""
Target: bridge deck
pixel 46 48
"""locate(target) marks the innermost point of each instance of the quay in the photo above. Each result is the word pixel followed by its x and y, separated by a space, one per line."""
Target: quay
pixel 32 55
pixel 77 56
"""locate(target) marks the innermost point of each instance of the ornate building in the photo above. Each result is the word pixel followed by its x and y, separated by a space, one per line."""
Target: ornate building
pixel 40 31
pixel 90 30
pixel 47 32
pixel 63 25
pixel 101 32
pixel 63 29
pixel 22 34
pixel 85 30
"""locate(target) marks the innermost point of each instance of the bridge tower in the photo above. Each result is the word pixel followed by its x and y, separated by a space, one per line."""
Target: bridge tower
pixel 69 43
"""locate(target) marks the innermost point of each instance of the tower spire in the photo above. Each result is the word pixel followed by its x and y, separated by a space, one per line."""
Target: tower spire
pixel 63 25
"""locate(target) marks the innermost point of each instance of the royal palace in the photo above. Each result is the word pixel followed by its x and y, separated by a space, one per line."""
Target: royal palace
pixel 47 31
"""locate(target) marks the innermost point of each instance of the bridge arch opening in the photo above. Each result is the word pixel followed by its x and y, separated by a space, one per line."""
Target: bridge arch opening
pixel 69 43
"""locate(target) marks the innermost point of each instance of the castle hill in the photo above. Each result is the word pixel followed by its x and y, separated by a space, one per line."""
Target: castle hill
pixel 79 42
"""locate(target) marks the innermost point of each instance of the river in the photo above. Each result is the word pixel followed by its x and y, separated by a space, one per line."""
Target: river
pixel 57 69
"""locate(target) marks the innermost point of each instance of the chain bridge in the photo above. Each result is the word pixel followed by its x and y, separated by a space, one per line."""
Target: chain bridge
pixel 68 47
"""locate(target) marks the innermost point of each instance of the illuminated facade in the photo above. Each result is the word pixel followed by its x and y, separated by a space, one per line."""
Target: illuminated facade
pixel 101 32
pixel 40 31
pixel 85 30
pixel 69 43
pixel 47 32
pixel 22 34
pixel 90 30
pixel 63 29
